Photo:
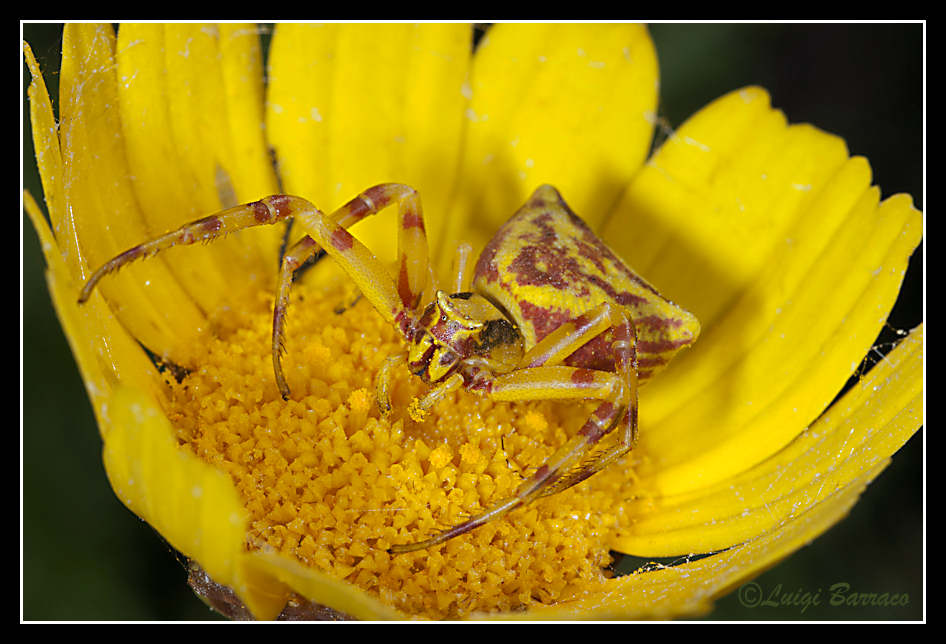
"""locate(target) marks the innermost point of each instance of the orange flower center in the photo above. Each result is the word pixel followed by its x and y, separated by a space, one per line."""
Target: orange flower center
pixel 330 483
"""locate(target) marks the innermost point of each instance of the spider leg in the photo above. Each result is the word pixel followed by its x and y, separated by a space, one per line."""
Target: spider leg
pixel 384 381
pixel 395 301
pixel 420 406
pixel 462 269
pixel 624 350
pixel 566 339
pixel 575 460
pixel 266 211
pixel 544 383
pixel 412 239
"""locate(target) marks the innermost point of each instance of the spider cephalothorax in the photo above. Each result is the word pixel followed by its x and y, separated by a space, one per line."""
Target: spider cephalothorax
pixel 460 328
pixel 548 312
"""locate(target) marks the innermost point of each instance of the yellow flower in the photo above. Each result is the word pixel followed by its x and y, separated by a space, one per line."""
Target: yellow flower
pixel 771 234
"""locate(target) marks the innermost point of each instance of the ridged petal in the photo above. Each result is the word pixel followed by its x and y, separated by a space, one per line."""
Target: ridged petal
pixel 689 589
pixel 857 435
pixel 565 104
pixel 323 589
pixel 778 506
pixel 192 504
pixel 49 162
pixel 104 351
pixel 191 100
pixel 99 196
pixel 350 106
pixel 775 239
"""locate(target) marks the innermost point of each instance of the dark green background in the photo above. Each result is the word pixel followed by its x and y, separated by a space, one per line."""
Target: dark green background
pixel 85 557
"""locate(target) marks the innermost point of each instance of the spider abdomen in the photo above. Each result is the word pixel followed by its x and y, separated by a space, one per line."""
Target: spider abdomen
pixel 546 267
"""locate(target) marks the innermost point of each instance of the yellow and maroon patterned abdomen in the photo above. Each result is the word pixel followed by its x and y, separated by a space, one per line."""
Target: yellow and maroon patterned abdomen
pixel 545 267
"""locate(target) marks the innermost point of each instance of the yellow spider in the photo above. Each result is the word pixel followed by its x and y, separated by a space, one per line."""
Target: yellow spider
pixel 548 312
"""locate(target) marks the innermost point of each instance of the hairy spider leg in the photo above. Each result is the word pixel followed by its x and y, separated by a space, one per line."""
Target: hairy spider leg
pixel 624 345
pixel 395 301
pixel 616 390
pixel 266 211
pixel 624 349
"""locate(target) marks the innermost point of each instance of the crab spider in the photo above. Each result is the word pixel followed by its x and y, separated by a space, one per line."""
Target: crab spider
pixel 548 312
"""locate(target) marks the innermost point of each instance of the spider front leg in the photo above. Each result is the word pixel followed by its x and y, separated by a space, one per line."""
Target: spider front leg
pixel 575 460
pixel 266 211
pixel 396 302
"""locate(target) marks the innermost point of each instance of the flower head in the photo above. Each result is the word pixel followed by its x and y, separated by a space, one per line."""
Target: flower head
pixel 769 232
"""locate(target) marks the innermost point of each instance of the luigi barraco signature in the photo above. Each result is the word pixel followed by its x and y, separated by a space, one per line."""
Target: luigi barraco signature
pixel 752 595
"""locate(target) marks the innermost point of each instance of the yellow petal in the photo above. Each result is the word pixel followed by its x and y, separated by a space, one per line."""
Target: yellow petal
pixel 688 589
pixel 774 238
pixel 106 354
pixel 97 184
pixel 104 351
pixel 49 162
pixel 250 167
pixel 719 196
pixel 797 491
pixel 192 504
pixel 323 589
pixel 349 106
pixel 565 104
pixel 856 435
pixel 191 100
